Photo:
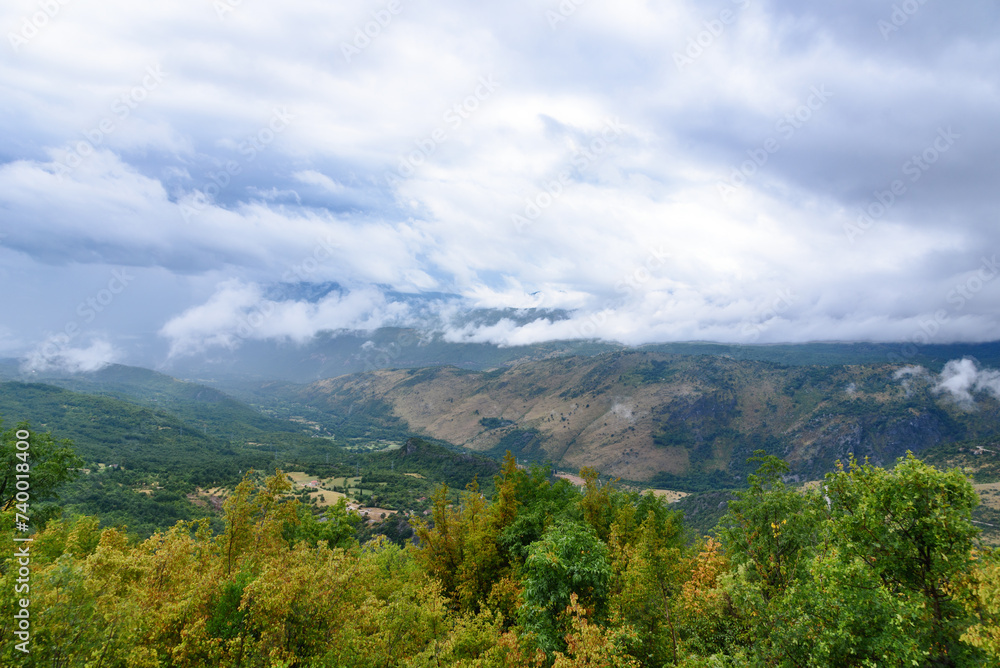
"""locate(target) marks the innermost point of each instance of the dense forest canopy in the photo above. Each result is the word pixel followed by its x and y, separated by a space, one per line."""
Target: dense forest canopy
pixel 872 567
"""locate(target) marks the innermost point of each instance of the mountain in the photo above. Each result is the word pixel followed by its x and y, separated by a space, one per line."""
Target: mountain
pixel 116 432
pixel 682 414
pixel 932 356
pixel 682 420
pixel 207 409
pixel 333 353
pixel 337 353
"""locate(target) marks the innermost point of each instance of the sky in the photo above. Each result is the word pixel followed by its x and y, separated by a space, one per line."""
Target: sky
pixel 179 178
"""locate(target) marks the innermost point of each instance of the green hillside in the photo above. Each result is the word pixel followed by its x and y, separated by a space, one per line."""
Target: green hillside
pixel 111 431
pixel 214 411
pixel 148 467
pixel 681 421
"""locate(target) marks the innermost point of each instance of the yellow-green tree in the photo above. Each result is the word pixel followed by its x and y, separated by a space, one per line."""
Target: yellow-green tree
pixel 982 601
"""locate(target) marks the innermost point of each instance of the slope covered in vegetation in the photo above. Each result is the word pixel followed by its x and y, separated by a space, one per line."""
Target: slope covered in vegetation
pixel 880 567
pixel 685 422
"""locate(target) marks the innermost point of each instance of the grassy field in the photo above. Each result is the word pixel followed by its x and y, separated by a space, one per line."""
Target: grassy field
pixel 324 497
pixel 670 495
pixel 989 494
pixel 325 493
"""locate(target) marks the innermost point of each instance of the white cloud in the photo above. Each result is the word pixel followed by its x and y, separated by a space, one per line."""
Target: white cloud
pixel 238 312
pixel 56 355
pixel 907 374
pixel 958 381
pixel 960 378
pixel 634 239
pixel 313 177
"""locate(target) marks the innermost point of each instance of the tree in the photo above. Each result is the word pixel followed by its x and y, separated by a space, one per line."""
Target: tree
pixel 257 520
pixel 598 503
pixel 48 462
pixel 441 543
pixel 982 600
pixel 647 547
pixel 912 527
pixel 336 525
pixel 569 559
pixel 837 614
pixel 592 646
pixel 770 529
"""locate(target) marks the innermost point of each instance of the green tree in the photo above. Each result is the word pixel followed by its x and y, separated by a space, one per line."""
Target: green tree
pixel 837 614
pixel 592 645
pixel 48 462
pixel 258 519
pixel 569 559
pixel 336 525
pixel 912 527
pixel 644 593
pixel 771 530
pixel 598 502
pixel 442 542
pixel 982 600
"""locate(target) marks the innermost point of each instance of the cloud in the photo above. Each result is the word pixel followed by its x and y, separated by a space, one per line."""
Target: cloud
pixel 960 378
pixel 623 409
pixel 260 154
pixel 313 177
pixel 54 355
pixel 238 312
pixel 958 381
pixel 907 374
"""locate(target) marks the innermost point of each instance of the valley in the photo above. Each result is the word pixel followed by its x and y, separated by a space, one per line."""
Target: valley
pixel 680 423
pixel 687 421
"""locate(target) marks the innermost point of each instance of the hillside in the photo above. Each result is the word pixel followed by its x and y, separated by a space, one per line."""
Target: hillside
pixel 162 456
pixel 112 431
pixel 687 421
pixel 213 411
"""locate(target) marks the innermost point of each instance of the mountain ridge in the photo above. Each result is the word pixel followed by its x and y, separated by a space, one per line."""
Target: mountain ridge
pixel 657 417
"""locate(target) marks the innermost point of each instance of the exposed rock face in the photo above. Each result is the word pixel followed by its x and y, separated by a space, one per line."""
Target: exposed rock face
pixel 638 415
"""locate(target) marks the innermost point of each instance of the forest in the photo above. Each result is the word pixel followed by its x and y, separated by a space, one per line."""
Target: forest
pixel 872 567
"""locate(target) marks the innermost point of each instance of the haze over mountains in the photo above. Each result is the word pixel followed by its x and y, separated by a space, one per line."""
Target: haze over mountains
pixel 683 415
pixel 355 252
pixel 646 416
pixel 491 187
